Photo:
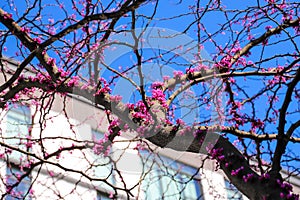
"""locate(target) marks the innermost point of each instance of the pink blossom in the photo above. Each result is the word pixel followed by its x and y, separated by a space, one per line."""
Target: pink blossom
pixel 38 40
pixel 51 20
pixel 190 70
pixel 74 81
pixel 182 132
pixel 165 78
pixel 29 144
pixel 236 171
pixel 156 85
pixel 115 98
pixel 25 29
pixel 268 27
pixel 7 15
pixel 85 86
pixel 105 87
pixel 114 123
pixel 51 61
pixel 16 97
pixel 111 195
pixel 231 80
pixel 107 151
pixel 51 173
pixel 130 106
pixel 248 177
pixel 238 104
pixel 180 122
pixel 97 149
pixel 177 74
pixel 31 191
pixel 202 67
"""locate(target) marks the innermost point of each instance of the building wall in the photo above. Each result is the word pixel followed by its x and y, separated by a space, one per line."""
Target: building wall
pixel 51 182
pixel 136 168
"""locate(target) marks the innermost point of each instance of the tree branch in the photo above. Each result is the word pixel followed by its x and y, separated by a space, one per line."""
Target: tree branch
pixel 282 140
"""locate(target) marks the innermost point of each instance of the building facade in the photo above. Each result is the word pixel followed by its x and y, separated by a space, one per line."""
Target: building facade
pixel 52 149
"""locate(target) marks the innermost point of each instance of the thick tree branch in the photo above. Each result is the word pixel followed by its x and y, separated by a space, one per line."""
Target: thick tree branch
pixel 29 43
pixel 282 138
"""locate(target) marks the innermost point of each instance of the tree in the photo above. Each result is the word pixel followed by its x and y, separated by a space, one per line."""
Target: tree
pixel 239 103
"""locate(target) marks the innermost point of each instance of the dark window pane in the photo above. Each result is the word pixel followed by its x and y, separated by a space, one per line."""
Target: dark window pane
pixel 168 179
pixel 17 127
pixel 21 190
pixel 102 196
pixel 232 192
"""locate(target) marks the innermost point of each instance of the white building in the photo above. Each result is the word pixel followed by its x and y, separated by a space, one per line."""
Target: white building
pixel 81 174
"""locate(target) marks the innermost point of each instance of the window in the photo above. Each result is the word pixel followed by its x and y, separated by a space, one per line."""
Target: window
pixel 21 190
pixel 97 135
pixel 102 196
pixel 152 184
pixel 180 178
pixel 191 188
pixel 17 129
pixel 232 192
pixel 102 166
pixel 168 179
